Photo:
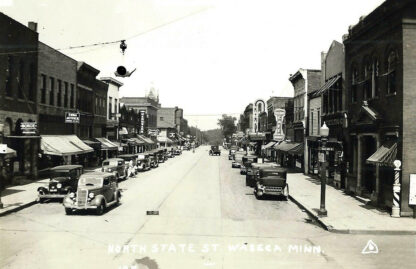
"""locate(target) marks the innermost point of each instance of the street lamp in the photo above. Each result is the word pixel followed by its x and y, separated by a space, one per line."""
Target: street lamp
pixel 324 138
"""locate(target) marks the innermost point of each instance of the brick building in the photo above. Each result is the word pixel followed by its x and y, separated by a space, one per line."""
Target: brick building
pixel 113 107
pixel 18 91
pixel 148 104
pixel 380 77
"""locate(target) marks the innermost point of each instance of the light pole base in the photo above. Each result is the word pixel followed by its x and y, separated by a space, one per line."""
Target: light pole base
pixel 395 212
pixel 322 213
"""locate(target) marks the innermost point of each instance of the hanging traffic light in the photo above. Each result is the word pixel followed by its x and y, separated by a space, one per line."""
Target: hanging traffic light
pixel 122 72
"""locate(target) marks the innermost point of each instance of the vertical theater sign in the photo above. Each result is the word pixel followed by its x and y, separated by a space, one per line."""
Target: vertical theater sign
pixel 259 107
pixel 142 122
pixel 279 134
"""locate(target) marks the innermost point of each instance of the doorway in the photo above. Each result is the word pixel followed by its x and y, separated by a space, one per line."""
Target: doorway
pixel 369 144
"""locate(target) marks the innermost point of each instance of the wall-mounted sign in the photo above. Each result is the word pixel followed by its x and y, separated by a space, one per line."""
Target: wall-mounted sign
pixel 412 190
pixel 321 157
pixel 278 133
pixel 72 117
pixel 153 132
pixel 142 122
pixel 259 107
pixel 29 127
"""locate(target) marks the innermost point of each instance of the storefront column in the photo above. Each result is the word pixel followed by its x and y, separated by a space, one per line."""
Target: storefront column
pixel 359 164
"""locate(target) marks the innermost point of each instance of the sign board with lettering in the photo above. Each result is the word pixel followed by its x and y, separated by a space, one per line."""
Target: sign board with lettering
pixel 278 133
pixel 142 122
pixel 72 117
pixel 412 190
pixel 29 127
pixel 321 157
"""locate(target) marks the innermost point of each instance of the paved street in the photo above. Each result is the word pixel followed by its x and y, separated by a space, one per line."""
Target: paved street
pixel 207 219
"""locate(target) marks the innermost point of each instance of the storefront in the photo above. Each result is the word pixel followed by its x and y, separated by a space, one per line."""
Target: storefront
pixel 108 148
pixel 290 155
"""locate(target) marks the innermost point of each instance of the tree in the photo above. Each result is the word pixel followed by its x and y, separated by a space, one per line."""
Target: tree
pixel 227 124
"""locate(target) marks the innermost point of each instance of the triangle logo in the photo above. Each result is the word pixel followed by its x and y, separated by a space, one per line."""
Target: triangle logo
pixel 370 248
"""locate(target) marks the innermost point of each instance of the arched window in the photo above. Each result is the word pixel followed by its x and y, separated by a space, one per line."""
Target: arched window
pixel 391 72
pixel 368 70
pixel 354 84
pixel 8 127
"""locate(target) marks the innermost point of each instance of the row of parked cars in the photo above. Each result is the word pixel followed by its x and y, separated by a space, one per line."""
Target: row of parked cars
pixel 266 178
pixel 99 189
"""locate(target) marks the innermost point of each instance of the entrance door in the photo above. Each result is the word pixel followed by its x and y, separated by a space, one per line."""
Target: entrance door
pixel 369 170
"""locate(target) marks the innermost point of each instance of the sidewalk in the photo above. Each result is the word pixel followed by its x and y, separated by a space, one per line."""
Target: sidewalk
pixel 17 197
pixel 346 214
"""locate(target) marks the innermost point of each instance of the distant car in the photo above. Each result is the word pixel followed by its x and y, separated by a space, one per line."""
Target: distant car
pixel 143 162
pixel 154 163
pixel 215 150
pixel 177 151
pixel 96 191
pixel 271 181
pixel 161 156
pixel 231 154
pixel 63 180
pixel 116 166
pixel 130 160
pixel 238 159
pixel 246 162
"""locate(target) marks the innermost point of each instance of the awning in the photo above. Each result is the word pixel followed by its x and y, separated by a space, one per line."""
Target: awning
pixel 120 145
pixel 269 145
pixel 326 86
pixel 7 152
pixel 257 136
pixel 297 150
pixel 63 145
pixel 384 155
pixel 163 139
pixel 123 131
pixel 107 144
pixel 145 139
pixel 137 141
pixel 286 146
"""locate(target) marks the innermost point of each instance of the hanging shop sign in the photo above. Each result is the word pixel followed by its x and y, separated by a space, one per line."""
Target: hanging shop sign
pixel 29 127
pixel 278 133
pixel 142 122
pixel 153 132
pixel 72 117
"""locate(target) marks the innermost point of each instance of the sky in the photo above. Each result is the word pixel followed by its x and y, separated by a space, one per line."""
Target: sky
pixel 209 57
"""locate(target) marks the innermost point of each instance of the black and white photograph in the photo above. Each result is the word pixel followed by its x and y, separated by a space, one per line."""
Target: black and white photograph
pixel 164 134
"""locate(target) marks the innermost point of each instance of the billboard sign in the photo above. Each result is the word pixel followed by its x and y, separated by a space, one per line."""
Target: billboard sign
pixel 278 133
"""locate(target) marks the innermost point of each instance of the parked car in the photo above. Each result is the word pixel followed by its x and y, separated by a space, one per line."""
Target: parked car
pixel 215 150
pixel 96 191
pixel 231 154
pixel 143 162
pixel 153 160
pixel 177 151
pixel 161 156
pixel 253 169
pixel 169 154
pixel 115 166
pixel 238 159
pixel 246 162
pixel 130 160
pixel 271 181
pixel 63 180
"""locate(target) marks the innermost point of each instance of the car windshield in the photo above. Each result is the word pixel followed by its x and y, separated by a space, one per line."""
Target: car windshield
pixel 90 181
pixel 59 174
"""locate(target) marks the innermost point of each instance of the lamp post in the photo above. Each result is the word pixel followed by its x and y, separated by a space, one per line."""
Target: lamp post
pixel 324 138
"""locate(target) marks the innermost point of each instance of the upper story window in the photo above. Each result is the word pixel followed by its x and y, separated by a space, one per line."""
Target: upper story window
pixel 110 107
pixel 43 89
pixel 9 72
pixel 374 78
pixel 391 72
pixel 21 80
pixel 59 102
pixel 72 101
pixel 354 85
pixel 368 71
pixel 51 92
pixel 162 119
pixel 32 82
pixel 65 94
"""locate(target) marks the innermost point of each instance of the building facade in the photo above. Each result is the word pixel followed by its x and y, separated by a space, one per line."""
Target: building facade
pixel 380 77
pixel 113 107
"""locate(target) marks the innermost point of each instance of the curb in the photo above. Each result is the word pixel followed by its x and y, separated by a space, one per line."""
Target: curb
pixel 18 208
pixel 329 228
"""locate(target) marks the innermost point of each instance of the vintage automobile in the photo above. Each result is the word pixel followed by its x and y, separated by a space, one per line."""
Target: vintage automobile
pixel 96 191
pixel 130 160
pixel 154 163
pixel 253 169
pixel 169 154
pixel 177 151
pixel 215 150
pixel 143 162
pixel 161 156
pixel 231 154
pixel 238 159
pixel 63 180
pixel 271 181
pixel 116 166
pixel 246 162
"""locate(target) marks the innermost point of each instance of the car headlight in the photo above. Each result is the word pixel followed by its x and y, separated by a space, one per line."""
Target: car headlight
pixel 59 185
pixel 91 195
pixel 110 170
pixel 72 195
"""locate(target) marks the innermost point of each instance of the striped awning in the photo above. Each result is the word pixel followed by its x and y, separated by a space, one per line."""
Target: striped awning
pixel 328 84
pixel 384 155
pixel 286 146
pixel 269 145
pixel 147 140
pixel 297 150
pixel 106 144
pixel 63 145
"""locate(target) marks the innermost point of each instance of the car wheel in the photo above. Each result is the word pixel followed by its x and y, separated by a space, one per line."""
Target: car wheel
pixel 258 197
pixel 100 209
pixel 68 211
pixel 118 195
pixel 41 200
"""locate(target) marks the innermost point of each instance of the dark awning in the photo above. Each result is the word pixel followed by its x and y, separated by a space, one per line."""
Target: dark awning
pixel 326 86
pixel 297 150
pixel 269 145
pixel 286 146
pixel 384 155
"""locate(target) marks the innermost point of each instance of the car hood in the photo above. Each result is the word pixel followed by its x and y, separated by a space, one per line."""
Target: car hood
pixel 272 181
pixel 89 188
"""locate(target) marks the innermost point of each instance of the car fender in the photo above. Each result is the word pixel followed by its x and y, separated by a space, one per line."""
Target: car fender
pixel 99 199
pixel 43 190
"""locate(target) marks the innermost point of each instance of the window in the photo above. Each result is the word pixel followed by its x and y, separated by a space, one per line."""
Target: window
pixel 21 82
pixel 319 121
pixel 72 96
pixel 32 82
pixel 51 93
pixel 162 119
pixel 59 102
pixel 65 94
pixel 354 85
pixel 374 78
pixel 391 73
pixel 115 107
pixel 110 105
pixel 312 126
pixel 43 90
pixel 9 72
